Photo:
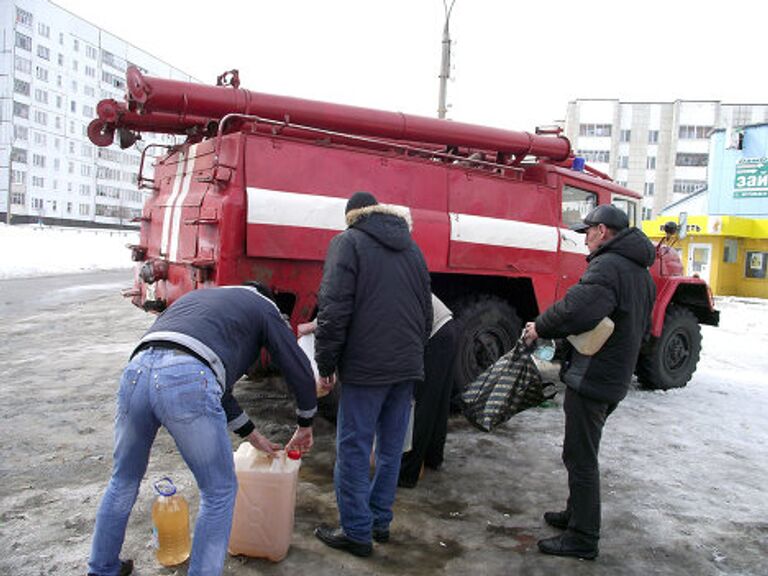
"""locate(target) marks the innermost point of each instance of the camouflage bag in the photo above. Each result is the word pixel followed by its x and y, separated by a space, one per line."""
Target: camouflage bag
pixel 512 384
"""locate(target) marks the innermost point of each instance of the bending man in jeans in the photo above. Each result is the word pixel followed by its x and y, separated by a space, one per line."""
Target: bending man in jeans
pixel 374 319
pixel 181 376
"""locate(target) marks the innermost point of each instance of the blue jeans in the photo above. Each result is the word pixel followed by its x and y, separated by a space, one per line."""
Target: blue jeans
pixel 172 389
pixel 365 411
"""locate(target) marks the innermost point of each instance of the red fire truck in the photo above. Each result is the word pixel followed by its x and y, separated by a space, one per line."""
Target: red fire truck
pixel 258 189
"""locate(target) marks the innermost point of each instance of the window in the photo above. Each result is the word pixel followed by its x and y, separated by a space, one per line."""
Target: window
pixel 597 156
pixel 688 186
pixel 23 42
pixel 113 80
pixel 86 150
pixel 69 207
pixel 20 132
pixel 20 110
pixel 650 163
pixel 693 132
pixel 40 139
pixel 43 52
pixel 18 177
pixel 89 91
pixel 61 59
pixel 74 65
pixel 38 182
pixel 649 189
pixel 44 30
pixel 23 17
pixel 72 106
pixel 38 160
pixel 57 164
pixel 85 190
pixel 41 117
pixel 90 71
pixel 58 122
pixel 653 136
pixel 85 170
pixel 625 135
pixel 22 64
pixel 37 203
pixel 41 73
pixel 71 147
pixel 18 198
pixel 53 205
pixel 595 130
pixel 91 52
pixel 76 44
pixel 690 159
pixel 21 87
pixel 576 204
pixel 623 161
pixel 41 95
pixel 19 155
pixel 58 101
pixel 730 250
pixel 647 214
pixel 755 264
pixel 622 183
pixel 88 111
pixel 85 209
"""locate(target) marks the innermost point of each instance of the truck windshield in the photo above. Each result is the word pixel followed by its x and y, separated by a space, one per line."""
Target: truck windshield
pixel 576 204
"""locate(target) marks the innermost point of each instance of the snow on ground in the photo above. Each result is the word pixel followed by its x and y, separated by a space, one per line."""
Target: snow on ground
pixel 33 250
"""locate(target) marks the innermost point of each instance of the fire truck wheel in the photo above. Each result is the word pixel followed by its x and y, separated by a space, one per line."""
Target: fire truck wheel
pixel 488 327
pixel 672 358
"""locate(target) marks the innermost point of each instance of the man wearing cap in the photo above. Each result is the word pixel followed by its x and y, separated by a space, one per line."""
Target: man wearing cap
pixel 616 284
pixel 374 319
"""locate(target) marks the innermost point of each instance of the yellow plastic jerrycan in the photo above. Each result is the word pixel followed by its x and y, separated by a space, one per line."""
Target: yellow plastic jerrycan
pixel 170 524
pixel 262 526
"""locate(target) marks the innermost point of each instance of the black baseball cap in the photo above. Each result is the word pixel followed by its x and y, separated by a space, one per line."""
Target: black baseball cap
pixel 607 214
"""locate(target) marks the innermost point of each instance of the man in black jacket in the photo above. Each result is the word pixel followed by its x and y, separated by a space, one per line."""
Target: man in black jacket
pixel 374 319
pixel 181 376
pixel 616 284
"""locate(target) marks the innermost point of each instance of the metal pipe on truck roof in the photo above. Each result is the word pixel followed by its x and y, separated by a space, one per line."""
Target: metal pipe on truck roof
pixel 151 94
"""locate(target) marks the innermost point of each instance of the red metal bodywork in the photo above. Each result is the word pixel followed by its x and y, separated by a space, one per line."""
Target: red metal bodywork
pixel 258 190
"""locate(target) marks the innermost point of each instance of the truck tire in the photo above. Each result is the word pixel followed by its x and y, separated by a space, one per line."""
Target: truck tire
pixel 488 327
pixel 672 358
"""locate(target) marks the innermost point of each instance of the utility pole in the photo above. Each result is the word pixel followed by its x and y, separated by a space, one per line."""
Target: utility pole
pixel 11 137
pixel 445 64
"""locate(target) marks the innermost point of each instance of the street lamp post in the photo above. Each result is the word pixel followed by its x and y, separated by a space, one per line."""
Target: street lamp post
pixel 445 64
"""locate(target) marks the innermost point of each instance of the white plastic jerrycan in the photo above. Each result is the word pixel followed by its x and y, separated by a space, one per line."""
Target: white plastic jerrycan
pixel 262 525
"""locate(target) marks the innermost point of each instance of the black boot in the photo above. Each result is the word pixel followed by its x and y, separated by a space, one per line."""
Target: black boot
pixel 126 568
pixel 335 538
pixel 567 545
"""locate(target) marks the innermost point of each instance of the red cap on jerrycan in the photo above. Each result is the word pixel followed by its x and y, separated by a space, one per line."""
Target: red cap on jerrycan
pixel 293 454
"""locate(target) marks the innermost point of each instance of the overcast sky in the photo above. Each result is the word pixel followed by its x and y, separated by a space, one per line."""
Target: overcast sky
pixel 515 64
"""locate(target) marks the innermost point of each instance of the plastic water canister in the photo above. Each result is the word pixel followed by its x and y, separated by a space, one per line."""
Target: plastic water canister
pixel 262 524
pixel 170 524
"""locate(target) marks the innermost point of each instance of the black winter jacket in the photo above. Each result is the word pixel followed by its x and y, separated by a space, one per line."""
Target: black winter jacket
pixel 374 305
pixel 616 284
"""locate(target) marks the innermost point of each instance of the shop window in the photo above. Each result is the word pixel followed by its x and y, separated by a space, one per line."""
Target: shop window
pixel 730 250
pixel 755 264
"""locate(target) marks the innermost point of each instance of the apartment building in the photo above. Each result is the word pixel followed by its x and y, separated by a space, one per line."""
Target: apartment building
pixel 54 68
pixel 659 149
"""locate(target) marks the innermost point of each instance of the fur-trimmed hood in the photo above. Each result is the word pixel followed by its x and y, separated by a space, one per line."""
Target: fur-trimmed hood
pixel 388 224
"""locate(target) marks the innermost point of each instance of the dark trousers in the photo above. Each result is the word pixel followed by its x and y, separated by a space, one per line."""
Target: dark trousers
pixel 584 421
pixel 433 398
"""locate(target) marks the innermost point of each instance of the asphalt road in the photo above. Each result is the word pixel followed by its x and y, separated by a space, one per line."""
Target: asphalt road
pixel 683 486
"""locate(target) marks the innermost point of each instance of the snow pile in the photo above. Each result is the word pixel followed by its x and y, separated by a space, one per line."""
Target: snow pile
pixel 33 250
